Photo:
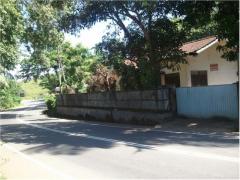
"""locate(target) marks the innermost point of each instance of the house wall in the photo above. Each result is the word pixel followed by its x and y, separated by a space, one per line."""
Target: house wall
pixel 226 73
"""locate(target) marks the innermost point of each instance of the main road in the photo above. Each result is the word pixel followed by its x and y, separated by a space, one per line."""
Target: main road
pixel 35 146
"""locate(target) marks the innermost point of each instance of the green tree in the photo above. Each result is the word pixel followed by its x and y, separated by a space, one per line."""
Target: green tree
pixel 224 15
pixel 11 29
pixel 9 94
pixel 77 64
pixel 112 52
pixel 42 35
pixel 42 32
pixel 150 38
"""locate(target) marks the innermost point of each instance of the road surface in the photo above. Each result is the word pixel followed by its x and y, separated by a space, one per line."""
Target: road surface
pixel 35 146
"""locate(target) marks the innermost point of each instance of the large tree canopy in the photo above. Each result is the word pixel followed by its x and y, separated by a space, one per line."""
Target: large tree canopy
pixel 11 29
pixel 151 39
pixel 200 18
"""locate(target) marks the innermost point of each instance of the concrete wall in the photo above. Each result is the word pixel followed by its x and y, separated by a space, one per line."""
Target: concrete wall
pixel 226 73
pixel 137 106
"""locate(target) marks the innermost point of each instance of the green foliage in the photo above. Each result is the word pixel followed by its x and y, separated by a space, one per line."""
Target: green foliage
pixel 9 95
pixel 149 35
pixel 49 81
pixel 130 78
pixel 163 52
pixel 77 65
pixel 11 29
pixel 32 90
pixel 42 28
pixel 31 69
pixel 3 82
pixel 227 19
pixel 50 101
pixel 196 33
pixel 222 15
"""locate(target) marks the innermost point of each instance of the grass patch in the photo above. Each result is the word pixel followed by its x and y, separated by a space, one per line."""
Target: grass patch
pixel 32 90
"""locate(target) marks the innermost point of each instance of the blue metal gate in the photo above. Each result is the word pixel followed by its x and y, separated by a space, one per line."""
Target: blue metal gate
pixel 208 101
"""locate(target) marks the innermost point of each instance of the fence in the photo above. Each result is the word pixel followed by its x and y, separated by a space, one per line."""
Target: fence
pixel 142 106
pixel 208 102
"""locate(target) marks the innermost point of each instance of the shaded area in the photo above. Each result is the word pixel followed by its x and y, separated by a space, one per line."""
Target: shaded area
pixel 6 116
pixel 48 141
pixel 35 107
pixel 57 143
pixel 143 135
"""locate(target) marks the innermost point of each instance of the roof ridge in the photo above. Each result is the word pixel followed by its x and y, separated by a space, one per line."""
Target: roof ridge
pixel 199 39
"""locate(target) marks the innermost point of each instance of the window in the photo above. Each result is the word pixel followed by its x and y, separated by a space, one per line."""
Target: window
pixel 199 78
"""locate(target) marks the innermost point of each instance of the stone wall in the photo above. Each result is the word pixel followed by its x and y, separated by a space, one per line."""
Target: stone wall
pixel 142 107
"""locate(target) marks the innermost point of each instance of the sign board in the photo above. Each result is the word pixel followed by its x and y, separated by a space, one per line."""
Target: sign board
pixel 213 67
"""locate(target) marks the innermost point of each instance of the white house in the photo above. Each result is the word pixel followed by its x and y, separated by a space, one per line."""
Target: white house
pixel 207 67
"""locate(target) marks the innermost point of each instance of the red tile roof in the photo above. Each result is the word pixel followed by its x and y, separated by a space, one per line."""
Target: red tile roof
pixel 188 47
pixel 193 46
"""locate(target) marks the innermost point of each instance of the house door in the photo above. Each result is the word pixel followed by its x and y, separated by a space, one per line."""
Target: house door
pixel 172 79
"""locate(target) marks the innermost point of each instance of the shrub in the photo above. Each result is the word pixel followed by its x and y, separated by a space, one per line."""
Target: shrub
pixel 50 101
pixel 9 95
pixel 104 79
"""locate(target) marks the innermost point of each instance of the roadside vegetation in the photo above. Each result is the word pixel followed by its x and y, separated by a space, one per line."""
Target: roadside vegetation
pixel 9 93
pixel 31 90
pixel 50 101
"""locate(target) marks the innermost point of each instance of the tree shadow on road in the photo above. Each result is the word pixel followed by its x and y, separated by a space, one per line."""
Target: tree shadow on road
pixel 48 141
pixel 56 143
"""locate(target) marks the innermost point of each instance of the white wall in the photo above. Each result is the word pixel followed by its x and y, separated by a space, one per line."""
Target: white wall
pixel 226 73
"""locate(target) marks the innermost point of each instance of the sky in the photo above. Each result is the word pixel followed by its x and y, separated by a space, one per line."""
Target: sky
pixel 88 37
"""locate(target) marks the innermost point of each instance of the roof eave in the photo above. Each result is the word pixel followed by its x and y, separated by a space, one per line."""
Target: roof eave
pixel 207 46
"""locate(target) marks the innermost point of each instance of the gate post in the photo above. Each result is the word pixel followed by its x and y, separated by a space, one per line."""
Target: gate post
pixel 172 99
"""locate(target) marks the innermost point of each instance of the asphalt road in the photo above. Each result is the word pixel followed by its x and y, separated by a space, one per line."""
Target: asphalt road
pixel 72 149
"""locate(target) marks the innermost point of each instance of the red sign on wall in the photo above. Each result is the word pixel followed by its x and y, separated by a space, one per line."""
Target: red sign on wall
pixel 213 67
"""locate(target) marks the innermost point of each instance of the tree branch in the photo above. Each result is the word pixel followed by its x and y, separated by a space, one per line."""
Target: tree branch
pixel 137 21
pixel 119 22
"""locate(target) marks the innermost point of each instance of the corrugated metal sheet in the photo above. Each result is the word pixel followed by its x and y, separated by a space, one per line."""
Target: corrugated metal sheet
pixel 209 101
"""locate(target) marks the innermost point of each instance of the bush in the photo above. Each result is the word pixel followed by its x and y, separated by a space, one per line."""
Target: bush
pixel 50 101
pixel 10 95
pixel 104 79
